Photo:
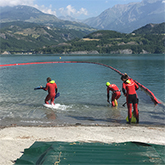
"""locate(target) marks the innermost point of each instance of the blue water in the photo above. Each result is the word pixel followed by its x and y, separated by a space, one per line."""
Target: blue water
pixel 82 89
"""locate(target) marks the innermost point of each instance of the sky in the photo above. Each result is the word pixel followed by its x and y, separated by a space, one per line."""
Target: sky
pixel 79 9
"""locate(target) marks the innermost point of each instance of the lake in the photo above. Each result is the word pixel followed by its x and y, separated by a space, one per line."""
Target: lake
pixel 82 89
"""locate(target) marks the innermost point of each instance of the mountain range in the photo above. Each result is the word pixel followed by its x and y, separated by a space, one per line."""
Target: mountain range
pixel 128 17
pixel 146 40
pixel 122 18
pixel 33 15
pixel 26 29
pixel 24 37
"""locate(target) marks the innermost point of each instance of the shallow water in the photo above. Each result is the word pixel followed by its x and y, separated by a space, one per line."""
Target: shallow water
pixel 82 89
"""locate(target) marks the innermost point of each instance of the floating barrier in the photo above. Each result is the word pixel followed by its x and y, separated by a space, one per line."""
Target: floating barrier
pixel 146 90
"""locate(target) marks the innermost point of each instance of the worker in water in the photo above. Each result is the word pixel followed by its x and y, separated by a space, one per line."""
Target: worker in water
pixel 129 88
pixel 115 93
pixel 51 86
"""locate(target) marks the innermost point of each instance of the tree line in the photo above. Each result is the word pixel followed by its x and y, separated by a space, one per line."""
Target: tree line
pixel 111 41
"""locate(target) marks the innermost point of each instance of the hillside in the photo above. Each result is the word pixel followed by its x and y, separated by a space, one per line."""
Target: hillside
pixel 128 17
pixel 25 13
pixel 18 37
pixel 111 42
pixel 24 36
pixel 33 15
pixel 151 29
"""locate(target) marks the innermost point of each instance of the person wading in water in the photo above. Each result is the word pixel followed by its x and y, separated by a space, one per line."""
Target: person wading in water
pixel 115 93
pixel 51 86
pixel 129 88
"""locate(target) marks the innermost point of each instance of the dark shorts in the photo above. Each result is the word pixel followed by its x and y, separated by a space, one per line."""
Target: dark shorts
pixel 132 99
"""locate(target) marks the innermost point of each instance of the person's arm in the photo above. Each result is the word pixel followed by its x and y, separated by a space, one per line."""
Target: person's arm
pixel 56 89
pixel 123 89
pixel 108 97
pixel 107 94
pixel 136 87
pixel 44 88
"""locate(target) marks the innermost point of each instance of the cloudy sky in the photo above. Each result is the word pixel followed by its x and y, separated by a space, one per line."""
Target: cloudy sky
pixel 80 9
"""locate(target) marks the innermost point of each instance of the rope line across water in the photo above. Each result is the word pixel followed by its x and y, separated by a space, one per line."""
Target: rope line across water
pixel 146 90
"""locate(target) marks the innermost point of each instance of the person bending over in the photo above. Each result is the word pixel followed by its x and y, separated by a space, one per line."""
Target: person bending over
pixel 115 93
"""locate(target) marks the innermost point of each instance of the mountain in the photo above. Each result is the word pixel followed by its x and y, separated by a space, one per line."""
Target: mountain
pixel 128 17
pixel 25 13
pixel 26 36
pixel 26 29
pixel 69 18
pixel 111 42
pixel 151 29
pixel 33 15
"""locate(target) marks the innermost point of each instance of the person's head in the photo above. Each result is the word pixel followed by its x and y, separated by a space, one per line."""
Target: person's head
pixel 108 84
pixel 48 79
pixel 124 77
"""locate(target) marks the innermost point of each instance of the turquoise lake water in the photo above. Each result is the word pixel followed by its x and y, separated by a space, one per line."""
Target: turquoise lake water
pixel 82 89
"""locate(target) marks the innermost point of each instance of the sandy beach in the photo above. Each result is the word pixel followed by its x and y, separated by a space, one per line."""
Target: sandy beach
pixel 13 140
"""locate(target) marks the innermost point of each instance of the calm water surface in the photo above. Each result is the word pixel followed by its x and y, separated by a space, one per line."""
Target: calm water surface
pixel 82 89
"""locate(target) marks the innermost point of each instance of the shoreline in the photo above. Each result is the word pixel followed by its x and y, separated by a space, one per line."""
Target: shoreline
pixel 85 125
pixel 14 139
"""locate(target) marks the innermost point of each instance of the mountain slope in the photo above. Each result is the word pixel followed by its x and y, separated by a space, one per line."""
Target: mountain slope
pixel 25 36
pixel 126 18
pixel 25 13
pixel 31 14
pixel 25 28
pixel 112 42
pixel 151 29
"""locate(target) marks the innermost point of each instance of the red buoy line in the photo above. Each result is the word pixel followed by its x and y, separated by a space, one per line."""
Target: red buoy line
pixel 153 98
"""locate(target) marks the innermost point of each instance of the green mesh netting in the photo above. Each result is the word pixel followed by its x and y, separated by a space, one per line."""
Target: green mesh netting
pixel 78 153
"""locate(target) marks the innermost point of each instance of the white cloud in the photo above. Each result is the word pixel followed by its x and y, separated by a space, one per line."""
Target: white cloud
pixel 82 11
pixel 47 10
pixel 16 2
pixel 42 8
pixel 71 11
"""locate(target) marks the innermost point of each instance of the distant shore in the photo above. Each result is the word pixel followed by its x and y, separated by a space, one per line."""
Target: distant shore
pixel 13 140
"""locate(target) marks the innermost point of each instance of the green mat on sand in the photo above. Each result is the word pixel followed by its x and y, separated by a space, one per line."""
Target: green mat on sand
pixel 81 153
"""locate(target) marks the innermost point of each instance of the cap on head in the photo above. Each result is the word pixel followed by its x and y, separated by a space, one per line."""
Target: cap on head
pixel 108 84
